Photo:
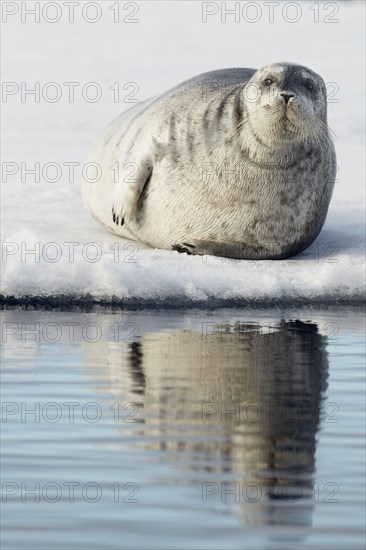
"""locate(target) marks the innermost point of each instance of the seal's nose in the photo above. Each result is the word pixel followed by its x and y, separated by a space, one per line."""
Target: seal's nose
pixel 287 96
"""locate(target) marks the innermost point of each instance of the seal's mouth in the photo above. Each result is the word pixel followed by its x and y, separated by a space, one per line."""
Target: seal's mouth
pixel 290 113
pixel 286 121
pixel 285 114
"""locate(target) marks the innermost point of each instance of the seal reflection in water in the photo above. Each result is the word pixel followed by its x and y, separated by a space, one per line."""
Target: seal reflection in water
pixel 234 404
pixel 234 162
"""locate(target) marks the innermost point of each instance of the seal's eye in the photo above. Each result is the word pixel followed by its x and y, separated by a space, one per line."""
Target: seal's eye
pixel 268 81
pixel 309 85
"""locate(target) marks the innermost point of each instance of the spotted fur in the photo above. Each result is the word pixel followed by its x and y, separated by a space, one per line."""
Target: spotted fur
pixel 222 164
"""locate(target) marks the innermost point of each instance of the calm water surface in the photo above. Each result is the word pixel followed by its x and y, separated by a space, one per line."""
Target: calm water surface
pixel 190 430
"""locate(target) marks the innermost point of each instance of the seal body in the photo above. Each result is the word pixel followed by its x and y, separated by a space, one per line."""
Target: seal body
pixel 235 162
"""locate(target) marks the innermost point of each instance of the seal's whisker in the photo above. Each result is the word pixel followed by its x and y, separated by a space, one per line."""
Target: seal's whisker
pixel 239 126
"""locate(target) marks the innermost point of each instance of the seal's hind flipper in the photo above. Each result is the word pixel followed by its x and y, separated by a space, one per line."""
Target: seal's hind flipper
pixel 184 247
pixel 239 251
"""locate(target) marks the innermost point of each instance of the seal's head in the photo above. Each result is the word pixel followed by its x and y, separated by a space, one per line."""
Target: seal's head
pixel 286 103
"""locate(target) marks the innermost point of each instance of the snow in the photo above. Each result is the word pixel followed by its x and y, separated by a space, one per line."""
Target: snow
pixel 169 44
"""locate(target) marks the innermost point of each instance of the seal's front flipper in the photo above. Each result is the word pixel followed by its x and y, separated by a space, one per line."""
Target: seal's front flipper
pixel 133 177
pixel 238 251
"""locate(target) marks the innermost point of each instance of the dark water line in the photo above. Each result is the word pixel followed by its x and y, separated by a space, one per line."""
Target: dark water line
pixel 173 303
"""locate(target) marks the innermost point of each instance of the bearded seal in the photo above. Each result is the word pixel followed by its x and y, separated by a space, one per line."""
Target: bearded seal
pixel 236 163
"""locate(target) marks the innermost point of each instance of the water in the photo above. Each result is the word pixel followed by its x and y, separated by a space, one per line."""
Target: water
pixel 240 429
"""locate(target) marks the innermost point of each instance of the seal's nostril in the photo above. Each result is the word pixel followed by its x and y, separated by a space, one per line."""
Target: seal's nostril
pixel 286 96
